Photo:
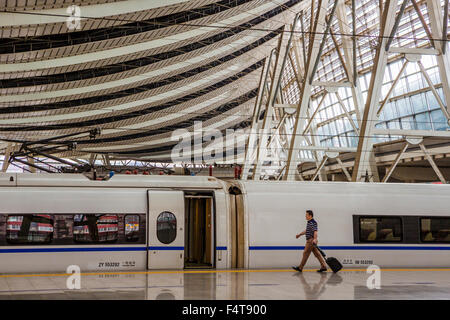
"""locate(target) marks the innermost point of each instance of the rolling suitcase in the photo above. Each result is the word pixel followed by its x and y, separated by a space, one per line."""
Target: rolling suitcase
pixel 333 263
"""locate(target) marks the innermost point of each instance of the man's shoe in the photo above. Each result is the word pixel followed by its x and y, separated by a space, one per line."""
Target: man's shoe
pixel 297 269
pixel 322 270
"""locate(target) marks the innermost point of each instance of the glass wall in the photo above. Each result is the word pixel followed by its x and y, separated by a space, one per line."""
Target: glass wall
pixel 411 105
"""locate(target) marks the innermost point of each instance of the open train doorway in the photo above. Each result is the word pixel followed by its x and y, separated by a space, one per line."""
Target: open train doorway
pixel 199 230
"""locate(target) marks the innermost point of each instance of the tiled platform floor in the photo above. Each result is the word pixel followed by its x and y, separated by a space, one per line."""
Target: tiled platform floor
pixel 232 284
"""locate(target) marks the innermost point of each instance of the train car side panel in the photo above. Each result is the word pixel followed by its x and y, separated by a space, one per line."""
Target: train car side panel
pixel 276 213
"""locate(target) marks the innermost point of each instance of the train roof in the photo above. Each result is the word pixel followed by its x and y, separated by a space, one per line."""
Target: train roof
pixel 185 182
pixel 117 181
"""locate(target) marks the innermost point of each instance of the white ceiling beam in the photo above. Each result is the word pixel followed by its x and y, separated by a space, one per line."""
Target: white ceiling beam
pixel 332 84
pixel 127 80
pixel 218 124
pixel 169 94
pixel 135 48
pixel 19 18
pixel 412 133
pixel 422 51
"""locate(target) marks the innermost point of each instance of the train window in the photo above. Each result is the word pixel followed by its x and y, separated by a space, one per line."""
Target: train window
pixel 380 229
pixel 166 228
pixel 95 228
pixel 435 229
pixel 29 229
pixel 132 227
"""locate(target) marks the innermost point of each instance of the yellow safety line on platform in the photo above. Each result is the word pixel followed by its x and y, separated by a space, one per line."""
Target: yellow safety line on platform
pixel 197 271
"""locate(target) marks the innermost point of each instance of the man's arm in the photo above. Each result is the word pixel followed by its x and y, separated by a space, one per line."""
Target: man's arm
pixel 300 234
pixel 315 237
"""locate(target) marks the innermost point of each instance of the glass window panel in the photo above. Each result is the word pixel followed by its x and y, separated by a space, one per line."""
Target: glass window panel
pixel 132 227
pixel 93 228
pixel 434 76
pixel 343 141
pixel 320 132
pixel 403 107
pixel 347 125
pixel 333 128
pixel 411 68
pixel 394 124
pixel 414 82
pixel 29 229
pixel 353 140
pixel 335 142
pixel 340 126
pixel 380 229
pixel 385 89
pixel 423 121
pixel 326 130
pixel 400 88
pixel 418 104
pixel 428 61
pixel 166 229
pixel 408 123
pixel 389 111
pixel 329 113
pixel 337 109
pixel 435 229
pixel 439 120
pixel 395 67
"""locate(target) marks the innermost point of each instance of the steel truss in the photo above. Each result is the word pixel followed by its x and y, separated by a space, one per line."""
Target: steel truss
pixel 292 127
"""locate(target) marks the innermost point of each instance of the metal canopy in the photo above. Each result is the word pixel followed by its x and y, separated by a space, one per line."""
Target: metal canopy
pixel 135 69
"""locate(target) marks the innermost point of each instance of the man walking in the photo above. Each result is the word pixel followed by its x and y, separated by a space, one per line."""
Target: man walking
pixel 311 242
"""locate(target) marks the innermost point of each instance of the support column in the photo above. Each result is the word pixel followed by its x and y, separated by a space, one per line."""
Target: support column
pixel 253 134
pixel 349 48
pixel 344 169
pixel 6 158
pixel 31 167
pixel 314 49
pixel 364 156
pixel 314 139
pixel 432 163
pixel 106 160
pixel 443 59
pixel 261 150
pixel 396 161
pixel 92 159
pixel 320 166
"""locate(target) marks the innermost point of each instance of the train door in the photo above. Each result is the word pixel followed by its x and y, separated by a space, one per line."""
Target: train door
pixel 165 229
pixel 199 236
pixel 237 228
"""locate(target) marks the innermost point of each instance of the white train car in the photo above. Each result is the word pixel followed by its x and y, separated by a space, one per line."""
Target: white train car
pixel 390 225
pixel 51 221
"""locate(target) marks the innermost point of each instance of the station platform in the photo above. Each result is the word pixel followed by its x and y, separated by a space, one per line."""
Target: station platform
pixel 283 284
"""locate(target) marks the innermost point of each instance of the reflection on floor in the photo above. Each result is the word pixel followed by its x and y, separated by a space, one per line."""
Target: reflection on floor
pixel 249 284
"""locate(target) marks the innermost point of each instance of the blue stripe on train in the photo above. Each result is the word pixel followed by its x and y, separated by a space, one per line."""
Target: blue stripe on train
pixel 165 248
pixel 16 250
pixel 253 248
pixel 91 249
pixel 178 248
pixel 351 248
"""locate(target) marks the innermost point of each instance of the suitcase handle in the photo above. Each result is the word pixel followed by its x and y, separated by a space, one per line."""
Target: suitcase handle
pixel 320 250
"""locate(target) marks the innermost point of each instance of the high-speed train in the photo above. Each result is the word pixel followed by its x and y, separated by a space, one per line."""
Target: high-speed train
pixel 51 221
